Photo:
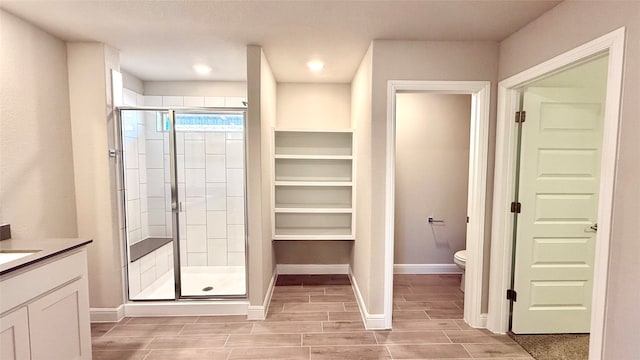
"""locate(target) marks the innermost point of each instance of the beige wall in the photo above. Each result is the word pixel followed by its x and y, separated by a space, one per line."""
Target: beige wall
pixel 261 95
pixel 361 123
pixel 97 202
pixel 314 106
pixel 196 88
pixel 566 26
pixel 268 91
pixel 432 176
pixel 36 165
pixel 420 60
pixel 320 107
pixel 313 252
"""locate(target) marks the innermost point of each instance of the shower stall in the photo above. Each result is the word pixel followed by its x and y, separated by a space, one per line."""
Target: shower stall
pixel 184 202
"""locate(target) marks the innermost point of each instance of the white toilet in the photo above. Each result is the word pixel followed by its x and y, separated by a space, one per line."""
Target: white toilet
pixel 460 258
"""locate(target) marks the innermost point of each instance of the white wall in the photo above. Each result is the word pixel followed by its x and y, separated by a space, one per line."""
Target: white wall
pixel 419 60
pixel 564 27
pixel 361 92
pixel 37 195
pixel 196 88
pixel 134 147
pixel 432 176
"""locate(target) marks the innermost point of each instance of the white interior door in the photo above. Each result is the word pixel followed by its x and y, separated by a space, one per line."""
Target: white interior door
pixel 559 182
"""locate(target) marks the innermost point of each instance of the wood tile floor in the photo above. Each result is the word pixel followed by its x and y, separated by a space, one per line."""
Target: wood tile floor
pixel 315 317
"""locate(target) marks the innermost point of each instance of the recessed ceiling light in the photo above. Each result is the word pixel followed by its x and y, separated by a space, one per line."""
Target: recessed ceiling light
pixel 202 68
pixel 315 65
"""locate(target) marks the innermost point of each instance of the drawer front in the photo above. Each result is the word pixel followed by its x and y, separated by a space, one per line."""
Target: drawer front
pixel 39 278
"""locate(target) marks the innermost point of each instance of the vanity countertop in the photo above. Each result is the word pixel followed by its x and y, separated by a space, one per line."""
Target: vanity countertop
pixel 19 253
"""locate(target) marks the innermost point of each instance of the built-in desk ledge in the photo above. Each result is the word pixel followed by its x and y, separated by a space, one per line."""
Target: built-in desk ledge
pixel 18 253
pixel 147 246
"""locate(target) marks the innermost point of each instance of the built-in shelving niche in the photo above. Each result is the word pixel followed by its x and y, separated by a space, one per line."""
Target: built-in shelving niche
pixel 313 189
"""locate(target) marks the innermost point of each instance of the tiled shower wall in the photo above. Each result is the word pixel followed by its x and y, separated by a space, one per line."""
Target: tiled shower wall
pixel 135 169
pixel 210 187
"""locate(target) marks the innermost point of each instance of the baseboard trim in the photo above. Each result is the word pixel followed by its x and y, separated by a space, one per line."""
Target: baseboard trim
pixel 187 308
pixel 98 315
pixel 312 269
pixel 483 320
pixel 371 321
pixel 426 269
pixel 260 312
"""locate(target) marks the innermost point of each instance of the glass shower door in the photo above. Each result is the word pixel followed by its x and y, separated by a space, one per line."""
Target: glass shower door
pixel 210 187
pixel 147 208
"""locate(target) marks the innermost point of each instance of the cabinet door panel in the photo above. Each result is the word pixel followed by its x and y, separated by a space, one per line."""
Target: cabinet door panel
pixel 59 324
pixel 14 336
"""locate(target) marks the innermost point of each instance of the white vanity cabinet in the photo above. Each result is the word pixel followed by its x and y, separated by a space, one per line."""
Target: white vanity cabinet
pixel 44 309
pixel 14 335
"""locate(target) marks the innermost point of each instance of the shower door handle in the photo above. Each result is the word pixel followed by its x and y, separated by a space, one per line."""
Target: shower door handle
pixel 177 206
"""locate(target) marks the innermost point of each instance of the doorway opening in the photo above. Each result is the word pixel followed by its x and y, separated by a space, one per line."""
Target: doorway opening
pixel 432 179
pixel 567 184
pixel 184 202
pixel 557 186
pixel 478 91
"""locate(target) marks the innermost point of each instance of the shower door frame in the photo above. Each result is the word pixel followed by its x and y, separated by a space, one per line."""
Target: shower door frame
pixel 175 201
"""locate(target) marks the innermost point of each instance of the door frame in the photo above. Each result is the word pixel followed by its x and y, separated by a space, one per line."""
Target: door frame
pixel 480 92
pixel 504 182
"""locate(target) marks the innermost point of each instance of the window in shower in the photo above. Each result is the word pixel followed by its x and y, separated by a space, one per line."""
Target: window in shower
pixel 205 198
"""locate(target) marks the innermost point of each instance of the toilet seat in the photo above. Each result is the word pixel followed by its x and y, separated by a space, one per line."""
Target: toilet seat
pixel 460 258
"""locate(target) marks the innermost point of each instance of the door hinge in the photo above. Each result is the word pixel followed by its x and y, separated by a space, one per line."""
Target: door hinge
pixel 516 207
pixel 521 116
pixel 511 295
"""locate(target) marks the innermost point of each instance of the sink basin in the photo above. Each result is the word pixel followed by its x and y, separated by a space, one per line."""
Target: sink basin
pixel 11 255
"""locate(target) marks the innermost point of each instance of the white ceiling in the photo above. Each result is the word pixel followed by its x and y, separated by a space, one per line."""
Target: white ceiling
pixel 161 40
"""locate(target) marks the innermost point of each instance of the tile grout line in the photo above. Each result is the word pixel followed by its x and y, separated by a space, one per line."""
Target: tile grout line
pixel 447 336
pixel 465 349
pixel 386 346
